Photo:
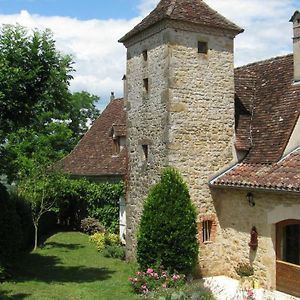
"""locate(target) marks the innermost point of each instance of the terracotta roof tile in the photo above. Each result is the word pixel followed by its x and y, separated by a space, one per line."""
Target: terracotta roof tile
pixel 267 108
pixel 266 91
pixel 94 156
pixel 283 175
pixel 194 11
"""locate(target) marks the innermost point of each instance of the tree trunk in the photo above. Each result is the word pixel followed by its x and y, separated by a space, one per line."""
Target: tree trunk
pixel 35 236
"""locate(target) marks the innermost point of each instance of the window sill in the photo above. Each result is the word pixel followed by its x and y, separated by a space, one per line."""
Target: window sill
pixel 207 242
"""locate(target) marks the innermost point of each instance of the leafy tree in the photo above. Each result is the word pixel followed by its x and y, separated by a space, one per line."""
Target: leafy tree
pixel 27 149
pixel 167 233
pixel 82 112
pixel 40 120
pixel 40 192
pixel 34 77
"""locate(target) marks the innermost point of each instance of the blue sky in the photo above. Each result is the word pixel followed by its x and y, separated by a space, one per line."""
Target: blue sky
pixel 89 30
pixel 81 9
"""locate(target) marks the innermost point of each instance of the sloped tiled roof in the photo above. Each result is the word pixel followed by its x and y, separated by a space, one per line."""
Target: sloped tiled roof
pixel 281 176
pixel 194 11
pixel 267 110
pixel 94 156
pixel 266 91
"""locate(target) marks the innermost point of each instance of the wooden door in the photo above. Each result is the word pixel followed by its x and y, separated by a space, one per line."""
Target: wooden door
pixel 288 257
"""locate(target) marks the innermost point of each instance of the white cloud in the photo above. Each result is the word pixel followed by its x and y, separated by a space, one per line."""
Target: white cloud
pixel 100 59
pixel 146 6
pixel 267 30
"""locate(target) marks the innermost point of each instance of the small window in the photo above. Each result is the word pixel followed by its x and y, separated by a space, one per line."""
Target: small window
pixel 202 47
pixel 146 84
pixel 145 55
pixel 206 231
pixel 145 152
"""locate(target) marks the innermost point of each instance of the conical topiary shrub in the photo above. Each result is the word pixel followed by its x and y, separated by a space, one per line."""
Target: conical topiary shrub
pixel 167 233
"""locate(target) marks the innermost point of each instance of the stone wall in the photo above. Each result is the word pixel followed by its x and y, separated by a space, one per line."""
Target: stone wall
pixel 202 122
pixel 236 219
pixel 147 119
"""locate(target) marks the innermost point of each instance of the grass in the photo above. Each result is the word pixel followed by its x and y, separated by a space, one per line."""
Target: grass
pixel 68 267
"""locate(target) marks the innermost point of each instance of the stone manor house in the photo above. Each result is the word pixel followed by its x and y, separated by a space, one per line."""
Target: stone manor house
pixel 234 134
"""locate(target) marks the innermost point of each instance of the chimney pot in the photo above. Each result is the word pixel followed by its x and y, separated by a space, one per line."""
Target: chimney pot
pixel 295 19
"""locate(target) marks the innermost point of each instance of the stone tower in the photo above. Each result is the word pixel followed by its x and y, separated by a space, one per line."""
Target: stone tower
pixel 180 104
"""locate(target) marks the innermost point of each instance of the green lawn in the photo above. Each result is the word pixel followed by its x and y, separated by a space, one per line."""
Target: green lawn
pixel 69 267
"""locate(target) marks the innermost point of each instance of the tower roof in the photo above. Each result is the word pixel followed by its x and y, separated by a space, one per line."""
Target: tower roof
pixel 294 15
pixel 194 11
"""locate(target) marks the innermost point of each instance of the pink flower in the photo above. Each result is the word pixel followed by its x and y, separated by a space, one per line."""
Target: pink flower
pixel 164 285
pixel 144 289
pixel 138 273
pixel 149 271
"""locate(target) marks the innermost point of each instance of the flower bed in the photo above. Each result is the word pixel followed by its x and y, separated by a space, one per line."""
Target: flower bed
pixel 151 280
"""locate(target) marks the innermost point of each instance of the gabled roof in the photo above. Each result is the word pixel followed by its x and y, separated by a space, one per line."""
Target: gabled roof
pixel 93 155
pixel 281 176
pixel 194 11
pixel 267 92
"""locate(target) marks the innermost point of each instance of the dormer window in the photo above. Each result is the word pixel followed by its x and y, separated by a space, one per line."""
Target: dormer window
pixel 118 134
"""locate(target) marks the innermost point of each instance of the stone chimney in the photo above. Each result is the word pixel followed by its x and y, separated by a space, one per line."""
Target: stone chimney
pixel 112 96
pixel 295 19
pixel 125 91
pixel 124 87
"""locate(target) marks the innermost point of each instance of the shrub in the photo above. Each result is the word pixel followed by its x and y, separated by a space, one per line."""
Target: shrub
pixel 167 233
pixel 98 239
pixel 151 280
pixel 114 251
pixel 104 239
pixel 194 290
pixel 10 233
pixel 24 212
pixel 79 198
pixel 244 270
pixel 103 203
pixel 91 226
pixel 112 239
pixel 4 275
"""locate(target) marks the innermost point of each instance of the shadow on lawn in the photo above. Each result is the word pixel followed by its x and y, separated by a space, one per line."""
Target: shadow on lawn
pixel 50 245
pixel 4 296
pixel 49 269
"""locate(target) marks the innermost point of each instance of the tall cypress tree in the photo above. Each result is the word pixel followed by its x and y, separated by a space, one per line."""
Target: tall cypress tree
pixel 167 233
